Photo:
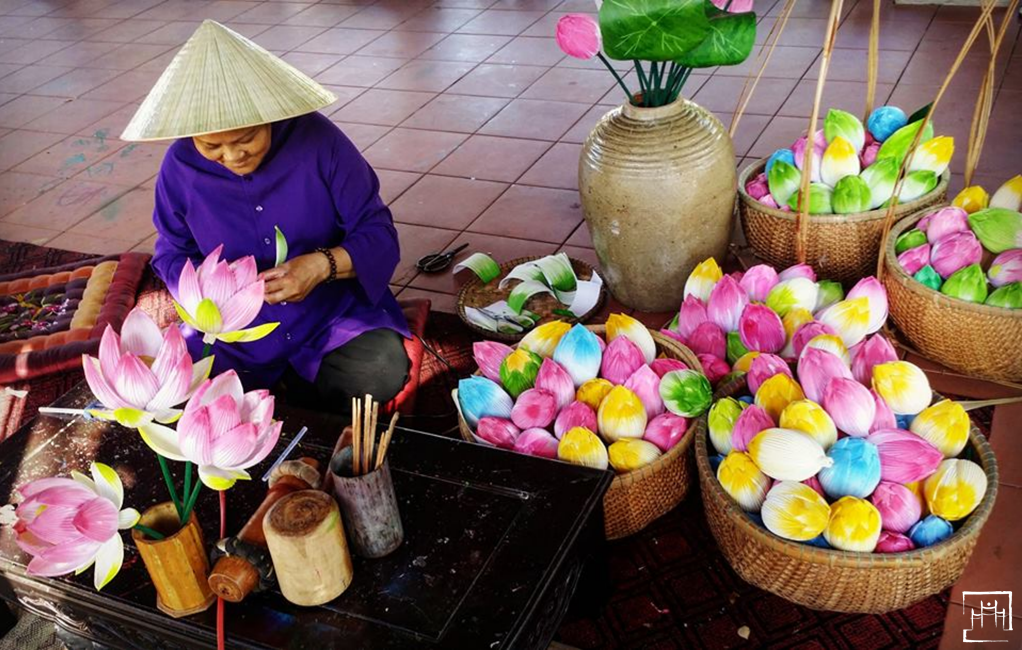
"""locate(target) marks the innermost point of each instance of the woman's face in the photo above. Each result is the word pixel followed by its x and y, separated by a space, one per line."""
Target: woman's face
pixel 240 150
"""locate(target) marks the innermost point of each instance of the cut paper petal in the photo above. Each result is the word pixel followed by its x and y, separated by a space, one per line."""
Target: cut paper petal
pixel 686 393
pixel 633 330
pixel 905 457
pixel 526 272
pixel 560 276
pixel 743 481
pixel 700 282
pixel 586 296
pixel 787 455
pixel 522 292
pixel 751 421
pixel 543 339
pixel 484 266
pixel 629 454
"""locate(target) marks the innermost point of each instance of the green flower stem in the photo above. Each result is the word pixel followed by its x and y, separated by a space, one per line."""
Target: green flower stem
pixel 643 83
pixel 191 503
pixel 146 530
pixel 620 81
pixel 170 483
pixel 188 478
pixel 206 349
pixel 680 83
pixel 655 73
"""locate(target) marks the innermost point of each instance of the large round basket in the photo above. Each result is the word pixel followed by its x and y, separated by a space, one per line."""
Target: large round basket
pixel 840 247
pixel 824 579
pixel 978 340
pixel 635 499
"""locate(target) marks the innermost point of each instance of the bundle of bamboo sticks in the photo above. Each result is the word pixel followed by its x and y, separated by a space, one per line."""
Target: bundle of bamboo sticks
pixel 364 416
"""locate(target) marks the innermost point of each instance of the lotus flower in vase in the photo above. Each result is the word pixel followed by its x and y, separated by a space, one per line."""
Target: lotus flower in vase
pixel 691 315
pixel 543 340
pixel 776 393
pixel 914 259
pixel 855 471
pixel 700 282
pixel 795 511
pixel 497 432
pixel 955 489
pixel 761 329
pixel 663 366
pixel 933 155
pixel 714 367
pixel 631 454
pixel 478 397
pixel 621 415
pixel 708 338
pixel 880 177
pixel 903 386
pixel 727 301
pixel 582 447
pixel 620 325
pixel 816 368
pixel 954 252
pixel 763 368
pixel 945 425
pixel 743 481
pixel 1009 195
pixel 944 222
pixel 787 455
pixel 870 353
pixel 850 405
pixel 1006 268
pixel 537 442
pixel 593 392
pixel 998 229
pixel 899 507
pixel 646 385
pixel 579 353
pixel 576 414
pixel 578 36
pixel 972 199
pixel 757 282
pixel 840 159
pixel 884 121
pixel 666 430
pixel 854 525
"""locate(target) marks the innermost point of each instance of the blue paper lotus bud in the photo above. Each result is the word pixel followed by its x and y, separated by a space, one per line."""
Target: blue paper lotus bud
pixel 583 447
pixel 621 415
pixel 488 356
pixel 819 199
pixel 727 300
pixel 743 481
pixel 783 181
pixel 788 455
pixel 909 239
pixel 666 430
pixel 686 393
pixel 536 442
pixel 914 259
pixel 885 120
pixel 900 507
pixel 794 511
pixel 997 228
pixel 954 252
pixel 933 155
pixel 1006 268
pixel 945 425
pixel 497 432
pixel 896 146
pixel 479 397
pixel 968 284
pixel 930 531
pixel 630 454
pixel 903 386
pixel 702 278
pixel 851 194
pixel 839 124
pixel 955 489
pixel 816 368
pixel 735 348
pixel 917 184
pixel 850 405
pixel 810 418
pixel 796 293
pixel 881 177
pixel 875 293
pixel 928 277
pixel 890 542
pixel 721 422
pixel 708 339
pixel 579 353
pixel 829 293
pixel 646 385
pixel 840 159
pixel 787 155
pixel 764 367
pixel 854 525
pixel 576 414
pixel 620 360
pixel 1009 296
pixel 856 469
pixel 944 222
pixel 534 409
pixel 518 371
pixel 750 423
pixel 799 149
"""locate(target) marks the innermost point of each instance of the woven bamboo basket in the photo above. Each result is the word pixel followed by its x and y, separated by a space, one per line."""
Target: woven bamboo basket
pixel 635 499
pixel 840 247
pixel 831 580
pixel 977 340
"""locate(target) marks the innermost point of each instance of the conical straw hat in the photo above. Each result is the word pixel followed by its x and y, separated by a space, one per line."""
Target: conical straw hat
pixel 219 81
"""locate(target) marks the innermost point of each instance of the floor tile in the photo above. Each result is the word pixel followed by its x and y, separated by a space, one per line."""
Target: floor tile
pixel 82 243
pixel 173 33
pixel 127 31
pixel 363 135
pixel 28 234
pixel 77 54
pixel 271 13
pixel 587 255
pixel 81 28
pixel 112 125
pixel 432 76
pixel 416 242
pixel 287 37
pixel 894 34
pixel 160 63
pixel 65 205
pixel 130 86
pixel 445 202
pixel 722 94
pixel 1004 440
pixel 29 77
pixel 76 83
pixel 546 26
pixel 18 146
pixel 492 158
pixel 71 116
pixel 997 556
pixel 359 71
pixel 557 168
pixel 147 245
pixel 524 50
pixel 134 163
pixel 580 131
pixel 394 183
pixel 381 17
pixel 30 52
pixel 69 156
pixel 465 47
pixel 851 65
pixel 931 67
pixel 507 23
pixel 412 150
pixel 128 56
pixel 26 108
pixel 581 237
pixel 532 5
pixel 459 113
pixel 311 63
pixel 344 95
pixel 491 80
pixel 787 62
pixel 846 95
pixel 129 218
pixel 750 127
pixel 444 302
pixel 532 118
pixel 536 212
pixel 571 85
pixel 404 45
pixel 17 189
pixel 385 107
pixel 438 19
pixel 322 15
pixel 39 28
pixel 781 132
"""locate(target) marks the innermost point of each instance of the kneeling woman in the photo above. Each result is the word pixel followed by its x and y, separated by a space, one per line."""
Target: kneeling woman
pixel 252 154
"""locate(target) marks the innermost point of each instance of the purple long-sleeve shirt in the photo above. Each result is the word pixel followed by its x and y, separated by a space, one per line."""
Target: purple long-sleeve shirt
pixel 318 189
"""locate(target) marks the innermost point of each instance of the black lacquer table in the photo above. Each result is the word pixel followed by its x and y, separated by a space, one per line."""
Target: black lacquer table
pixel 494 546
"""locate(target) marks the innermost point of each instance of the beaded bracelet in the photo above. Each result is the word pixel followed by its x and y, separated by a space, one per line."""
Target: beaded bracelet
pixel 333 263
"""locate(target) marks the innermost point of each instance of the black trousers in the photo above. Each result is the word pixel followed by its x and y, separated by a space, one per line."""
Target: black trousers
pixel 374 362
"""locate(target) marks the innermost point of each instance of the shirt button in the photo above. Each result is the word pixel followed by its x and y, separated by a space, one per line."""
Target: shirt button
pixel 266 240
pixel 287 336
pixel 259 208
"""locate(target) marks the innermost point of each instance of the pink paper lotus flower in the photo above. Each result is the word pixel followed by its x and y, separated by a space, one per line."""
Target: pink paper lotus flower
pixel 646 384
pixel 708 339
pixel 142 374
pixel 750 422
pixel 535 408
pixel 850 405
pixel 663 366
pixel 488 356
pixel 666 430
pixel 497 432
pixel 691 315
pixel 761 329
pixel 816 368
pixel 758 281
pixel 702 279
pixel 224 431
pixel 727 300
pixel 904 456
pixel 622 325
pixel 871 352
pixel 868 156
pixel 889 542
pixel 621 359
pixel 884 418
pixel 737 6
pixel 915 258
pixel 819 146
pixel 69 524
pixel 764 367
pixel 873 291
pixel 954 252
pixel 770 202
pixel 576 414
pixel 797 271
pixel 714 367
pixel 757 187
pixel 536 442
pixel 808 332
pixel 944 222
pixel 829 343
pixel 221 299
pixel 578 36
pixel 554 378
pixel 899 507
pixel 1006 268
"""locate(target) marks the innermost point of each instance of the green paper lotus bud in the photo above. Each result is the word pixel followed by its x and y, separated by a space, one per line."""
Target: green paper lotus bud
pixel 735 348
pixel 518 371
pixel 1010 296
pixel 844 125
pixel 880 176
pixel 830 292
pixel 929 276
pixel 721 422
pixel 783 181
pixel 852 194
pixel 910 239
pixel 916 184
pixel 998 229
pixel 933 155
pixel 819 199
pixel 897 145
pixel 967 284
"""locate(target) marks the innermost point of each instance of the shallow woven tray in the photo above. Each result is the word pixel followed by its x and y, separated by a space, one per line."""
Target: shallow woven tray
pixel 840 581
pixel 476 293
pixel 978 340
pixel 636 499
pixel 840 247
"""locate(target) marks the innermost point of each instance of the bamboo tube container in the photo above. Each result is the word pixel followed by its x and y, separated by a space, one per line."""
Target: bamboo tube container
pixel 310 554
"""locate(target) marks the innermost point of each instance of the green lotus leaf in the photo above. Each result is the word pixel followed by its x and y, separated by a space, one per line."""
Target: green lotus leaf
pixel 652 30
pixel 729 42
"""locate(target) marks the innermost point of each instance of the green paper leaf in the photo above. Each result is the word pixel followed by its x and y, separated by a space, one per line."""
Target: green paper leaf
pixel 730 41
pixel 652 30
pixel 481 264
pixel 522 292
pixel 919 114
pixel 281 247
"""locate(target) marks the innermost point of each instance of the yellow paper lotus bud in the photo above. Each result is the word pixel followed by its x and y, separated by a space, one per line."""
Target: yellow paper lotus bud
pixel 955 489
pixel 832 344
pixel 743 481
pixel 903 386
pixel 744 362
pixel 621 415
pixel 810 418
pixel 788 455
pixel 795 511
pixel 630 454
pixel 972 199
pixel 593 391
pixel 854 525
pixel 776 393
pixel 945 425
pixel 543 340
pixel 582 447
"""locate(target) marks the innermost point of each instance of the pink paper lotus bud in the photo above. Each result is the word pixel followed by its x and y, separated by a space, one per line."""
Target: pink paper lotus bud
pixel 1006 268
pixel 816 368
pixel 944 222
pixel 899 507
pixel 727 300
pixel 904 456
pixel 832 344
pixel 873 291
pixel 797 271
pixel 764 367
pixel 889 542
pixel 666 430
pixel 770 202
pixel 761 329
pixel 663 366
pixel 914 259
pixel 808 332
pixel 758 281
pixel 869 154
pixel 884 418
pixel 498 432
pixel 874 350
pixel 488 356
pixel 535 408
pixel 737 276
pixel 757 187
pixel 671 334
pixel 750 422
pixel 954 252
pixel 578 36
pixel 536 442
pixel 576 414
pixel 702 279
pixel 554 378
pixel 691 315
pixel 621 359
pixel 708 339
pixel 850 405
pixel 734 7
pixel 714 367
pixel 819 146
pixel 646 384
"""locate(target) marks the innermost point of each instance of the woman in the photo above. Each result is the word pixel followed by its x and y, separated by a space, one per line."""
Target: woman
pixel 252 155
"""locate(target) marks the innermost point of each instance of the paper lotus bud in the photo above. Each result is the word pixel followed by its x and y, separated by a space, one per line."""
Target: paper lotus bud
pixel 666 430
pixel 968 283
pixel 1009 195
pixel 945 425
pixel 761 329
pixel 850 405
pixel 721 421
pixel 757 187
pixel 998 229
pixel 479 397
pixel 905 457
pixel 933 155
pixel 850 318
pixel 536 442
pixel 797 271
pixel 896 146
pixel 884 418
pixel 839 124
pixel 829 292
pixel 499 432
pixel 735 348
pixel 856 469
pixel 885 120
pixel 621 415
pixel 776 393
pixel 552 377
pixel 578 36
pixel 799 150
pixel 620 360
pixel 874 350
pixel 914 259
pixel 579 353
pixel 955 489
pixel 908 240
pixel 627 455
pixel 854 525
pixel 576 414
pixel 686 393
pixel 829 343
pixel 930 531
pixel 916 488
pixel 518 371
pixel 889 542
pixel 1009 296
pixel 751 422
pixel 916 184
pixel 795 511
pixel 771 202
pixel 1006 268
pixel 700 282
pixel 535 408
pixel 880 176
pixel 646 385
pixel 787 455
pixel 871 289
pixel 812 330
pixel 727 300
pixel 758 281
pixel 820 197
pixel 903 386
pixel 691 315
pixel 488 356
pixel 945 222
pixel 927 276
pixel 783 181
pixel 663 366
pixel 899 507
pixel 816 368
pixel 582 447
pixel 744 363
pixel 972 199
pixel 543 340
pixel 796 293
pixel 955 251
pixel 787 155
pixel 764 367
pixel 593 392
pixel 708 339
pixel 840 159
pixel 621 325
pixel 743 481
pixel 810 418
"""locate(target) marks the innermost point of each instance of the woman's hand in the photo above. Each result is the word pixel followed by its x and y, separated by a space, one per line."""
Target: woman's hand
pixel 293 280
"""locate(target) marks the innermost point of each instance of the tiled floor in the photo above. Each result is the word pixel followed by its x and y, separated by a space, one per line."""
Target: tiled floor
pixel 470 113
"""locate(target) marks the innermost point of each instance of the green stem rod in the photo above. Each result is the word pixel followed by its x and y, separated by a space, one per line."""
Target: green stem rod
pixel 643 82
pixel 146 530
pixel 191 503
pixel 188 478
pixel 170 483
pixel 620 81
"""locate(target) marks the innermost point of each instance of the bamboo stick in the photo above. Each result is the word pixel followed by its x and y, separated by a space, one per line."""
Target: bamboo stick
pixel 381 453
pixel 873 61
pixel 356 436
pixel 747 92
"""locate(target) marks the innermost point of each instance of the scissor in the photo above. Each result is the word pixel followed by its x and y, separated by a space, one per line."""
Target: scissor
pixel 436 262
